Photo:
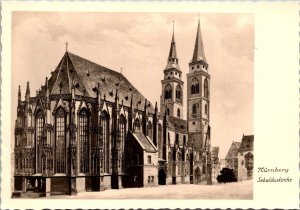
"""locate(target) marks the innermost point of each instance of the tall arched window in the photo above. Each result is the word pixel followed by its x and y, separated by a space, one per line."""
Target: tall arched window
pixel 178 112
pixel 122 127
pixel 137 124
pixel 168 92
pixel 150 131
pixel 194 110
pixel 60 142
pixel 205 109
pixel 178 92
pixel 168 111
pixel 105 137
pixel 206 93
pixel 184 140
pixel 39 139
pixel 84 141
pixel 195 86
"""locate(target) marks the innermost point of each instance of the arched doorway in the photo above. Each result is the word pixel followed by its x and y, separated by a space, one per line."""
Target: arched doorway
pixel 161 177
pixel 197 175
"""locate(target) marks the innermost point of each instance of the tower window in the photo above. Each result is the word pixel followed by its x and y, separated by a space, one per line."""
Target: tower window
pixel 206 109
pixel 198 67
pixel 194 110
pixel 168 111
pixel 192 67
pixel 168 92
pixel 195 86
pixel 178 92
pixel 178 112
pixel 206 93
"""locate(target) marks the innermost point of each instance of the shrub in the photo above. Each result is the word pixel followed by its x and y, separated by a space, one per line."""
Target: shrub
pixel 226 175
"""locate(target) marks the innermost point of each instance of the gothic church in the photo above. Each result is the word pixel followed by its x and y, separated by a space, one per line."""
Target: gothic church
pixel 89 129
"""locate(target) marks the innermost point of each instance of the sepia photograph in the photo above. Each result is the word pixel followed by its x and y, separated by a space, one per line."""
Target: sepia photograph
pixel 132 105
pixel 149 105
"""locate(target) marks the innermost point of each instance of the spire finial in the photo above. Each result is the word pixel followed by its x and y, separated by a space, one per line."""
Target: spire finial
pixel 173 37
pixel 66 46
pixel 121 69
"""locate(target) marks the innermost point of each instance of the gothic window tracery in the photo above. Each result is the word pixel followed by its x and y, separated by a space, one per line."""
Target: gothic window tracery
pixel 194 110
pixel 178 92
pixel 206 92
pixel 122 128
pixel 84 141
pixel 60 142
pixel 195 86
pixel 105 137
pixel 39 139
pixel 168 92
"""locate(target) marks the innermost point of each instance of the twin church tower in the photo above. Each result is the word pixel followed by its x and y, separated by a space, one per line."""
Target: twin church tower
pixel 197 94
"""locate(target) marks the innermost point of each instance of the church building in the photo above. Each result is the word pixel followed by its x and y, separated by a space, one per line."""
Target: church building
pixel 89 129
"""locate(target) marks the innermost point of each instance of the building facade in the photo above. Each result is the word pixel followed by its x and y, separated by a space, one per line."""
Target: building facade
pixel 215 161
pixel 231 159
pixel 245 158
pixel 89 129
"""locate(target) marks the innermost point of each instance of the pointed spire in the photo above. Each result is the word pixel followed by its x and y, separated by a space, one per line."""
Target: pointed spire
pixel 172 59
pixel 19 94
pixel 66 46
pixel 173 38
pixel 155 109
pixel 27 90
pixel 199 48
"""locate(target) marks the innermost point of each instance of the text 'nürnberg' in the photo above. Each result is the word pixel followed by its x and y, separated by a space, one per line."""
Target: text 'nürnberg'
pixel 273 174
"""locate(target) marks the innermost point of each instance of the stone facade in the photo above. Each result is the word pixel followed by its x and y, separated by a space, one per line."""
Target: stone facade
pixel 89 129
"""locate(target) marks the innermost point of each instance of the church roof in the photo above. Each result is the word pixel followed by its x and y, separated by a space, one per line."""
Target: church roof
pixel 198 54
pixel 177 124
pixel 85 74
pixel 247 143
pixel 144 142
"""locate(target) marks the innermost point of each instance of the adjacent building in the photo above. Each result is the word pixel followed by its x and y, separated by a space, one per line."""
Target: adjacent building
pixel 231 159
pixel 215 163
pixel 89 129
pixel 245 158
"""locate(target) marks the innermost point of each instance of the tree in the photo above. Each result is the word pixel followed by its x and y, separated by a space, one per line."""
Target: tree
pixel 226 175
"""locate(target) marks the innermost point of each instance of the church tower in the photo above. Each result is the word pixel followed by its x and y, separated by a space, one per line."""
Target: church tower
pixel 171 99
pixel 198 95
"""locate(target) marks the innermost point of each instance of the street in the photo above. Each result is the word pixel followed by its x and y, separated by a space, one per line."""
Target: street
pixel 238 190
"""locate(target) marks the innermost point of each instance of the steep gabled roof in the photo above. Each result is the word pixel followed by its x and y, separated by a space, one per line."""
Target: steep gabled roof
pixel 85 74
pixel 233 150
pixel 247 143
pixel 177 124
pixel 144 142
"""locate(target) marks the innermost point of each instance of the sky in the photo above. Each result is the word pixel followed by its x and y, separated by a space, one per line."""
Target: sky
pixel 139 43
